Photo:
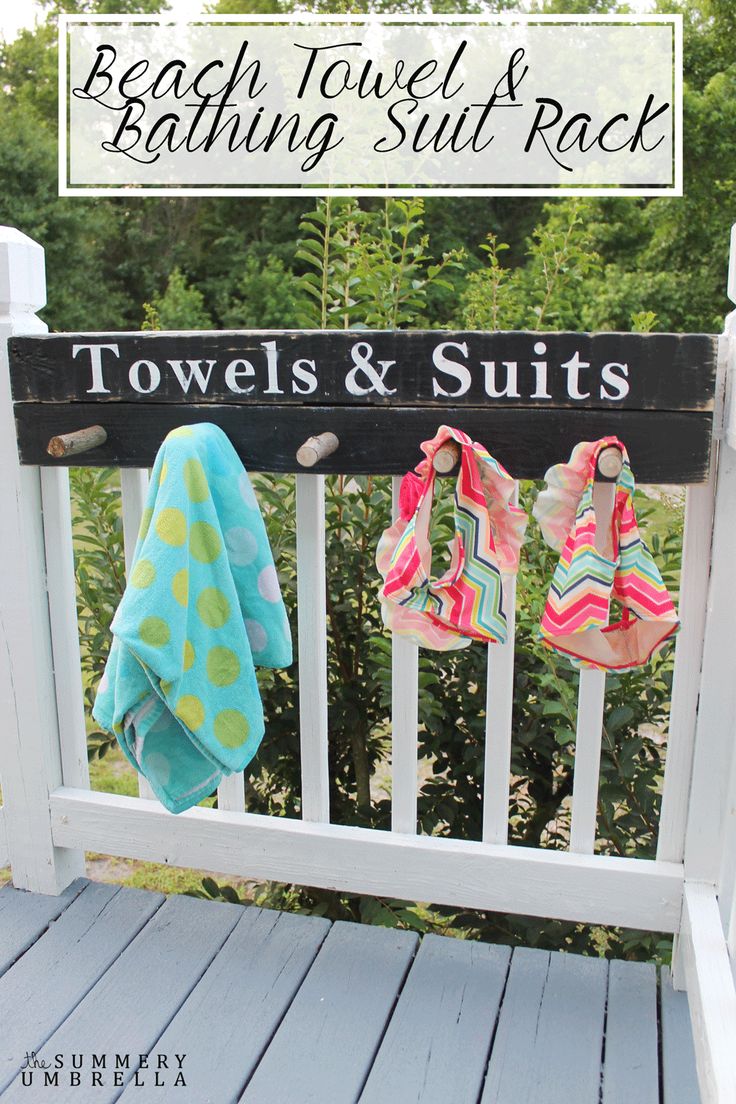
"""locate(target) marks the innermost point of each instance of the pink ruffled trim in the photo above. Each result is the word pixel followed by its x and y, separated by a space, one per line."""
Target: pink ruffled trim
pixel 557 504
pixel 508 521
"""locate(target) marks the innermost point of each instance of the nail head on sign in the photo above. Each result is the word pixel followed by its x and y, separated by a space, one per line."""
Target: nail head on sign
pixel 610 462
pixel 316 448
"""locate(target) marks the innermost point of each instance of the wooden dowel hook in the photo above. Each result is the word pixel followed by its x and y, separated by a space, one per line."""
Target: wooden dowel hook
pixel 610 462
pixel 446 457
pixel 316 448
pixel 81 440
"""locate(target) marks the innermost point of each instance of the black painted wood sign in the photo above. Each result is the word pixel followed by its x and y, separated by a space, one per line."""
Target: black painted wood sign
pixel 529 397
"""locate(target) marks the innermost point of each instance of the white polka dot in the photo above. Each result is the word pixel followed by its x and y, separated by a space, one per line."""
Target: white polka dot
pixel 247 493
pixel 104 683
pixel 158 766
pixel 242 546
pixel 268 584
pixel 257 635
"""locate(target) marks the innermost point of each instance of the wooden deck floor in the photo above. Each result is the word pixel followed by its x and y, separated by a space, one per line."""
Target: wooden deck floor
pixel 271 1008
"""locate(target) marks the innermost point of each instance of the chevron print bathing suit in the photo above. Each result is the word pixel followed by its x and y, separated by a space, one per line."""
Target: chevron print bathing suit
pixel 466 603
pixel 577 616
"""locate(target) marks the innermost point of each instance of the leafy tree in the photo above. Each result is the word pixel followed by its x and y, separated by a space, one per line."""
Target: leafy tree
pixel 181 307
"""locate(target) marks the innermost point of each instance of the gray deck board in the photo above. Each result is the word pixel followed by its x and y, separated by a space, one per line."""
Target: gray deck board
pixel 274 1008
pixel 549 1039
pixel 250 983
pixel 132 1004
pixel 68 959
pixel 325 1045
pixel 631 1067
pixel 24 916
pixel 679 1080
pixel 436 1046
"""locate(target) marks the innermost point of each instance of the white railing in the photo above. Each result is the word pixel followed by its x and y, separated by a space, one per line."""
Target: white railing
pixel 4 856
pixel 51 817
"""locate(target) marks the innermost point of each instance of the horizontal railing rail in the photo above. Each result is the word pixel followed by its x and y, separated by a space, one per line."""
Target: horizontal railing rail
pixel 595 889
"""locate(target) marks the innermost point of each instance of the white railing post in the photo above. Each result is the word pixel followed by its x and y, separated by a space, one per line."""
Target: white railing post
pixel 707 830
pixel 30 752
pixel 717 705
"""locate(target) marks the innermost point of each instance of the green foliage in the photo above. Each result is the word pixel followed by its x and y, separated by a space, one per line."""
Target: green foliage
pixel 99 562
pixel 385 912
pixel 181 307
pixel 265 297
pixel 546 292
pixel 368 269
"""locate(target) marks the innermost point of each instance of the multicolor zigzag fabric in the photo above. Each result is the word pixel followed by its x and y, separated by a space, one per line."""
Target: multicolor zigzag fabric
pixel 576 620
pixel 466 603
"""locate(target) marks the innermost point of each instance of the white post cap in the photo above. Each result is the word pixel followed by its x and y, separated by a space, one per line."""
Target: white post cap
pixel 22 272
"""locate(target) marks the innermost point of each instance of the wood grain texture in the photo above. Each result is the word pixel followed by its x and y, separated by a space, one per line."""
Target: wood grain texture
pixel 3 840
pixel 228 1019
pixel 24 916
pixel 704 961
pixel 30 754
pixel 436 1046
pixel 714 742
pixel 311 603
pixel 588 737
pixel 549 1038
pixel 679 1076
pixel 631 1068
pixel 61 586
pixel 692 607
pixel 38 993
pixel 404 717
pixel 669 447
pixel 597 889
pixel 326 1043
pixel 662 371
pixel 236 990
pixel 127 1010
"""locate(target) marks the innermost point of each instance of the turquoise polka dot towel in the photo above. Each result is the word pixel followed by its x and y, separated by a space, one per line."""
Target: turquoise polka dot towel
pixel 201 609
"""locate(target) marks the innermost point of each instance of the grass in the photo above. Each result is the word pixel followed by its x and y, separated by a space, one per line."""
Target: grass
pixel 114 774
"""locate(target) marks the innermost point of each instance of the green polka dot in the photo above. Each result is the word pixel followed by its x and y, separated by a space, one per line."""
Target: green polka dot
pixel 195 481
pixel 204 542
pixel 166 687
pixel 145 523
pixel 188 654
pixel 171 526
pixel 142 574
pixel 182 431
pixel 213 607
pixel 180 587
pixel 231 728
pixel 190 710
pixel 163 473
pixel 223 666
pixel 154 631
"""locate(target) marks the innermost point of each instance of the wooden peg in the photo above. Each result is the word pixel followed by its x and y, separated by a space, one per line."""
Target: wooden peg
pixel 446 457
pixel 81 440
pixel 316 448
pixel 610 462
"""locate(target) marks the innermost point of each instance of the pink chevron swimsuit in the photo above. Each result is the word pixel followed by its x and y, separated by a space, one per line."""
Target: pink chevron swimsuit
pixel 466 603
pixel 591 572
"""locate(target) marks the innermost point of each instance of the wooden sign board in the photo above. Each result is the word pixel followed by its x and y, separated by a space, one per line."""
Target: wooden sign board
pixel 529 397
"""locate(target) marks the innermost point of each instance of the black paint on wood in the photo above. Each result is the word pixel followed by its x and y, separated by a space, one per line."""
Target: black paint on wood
pixel 669 447
pixel 609 371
